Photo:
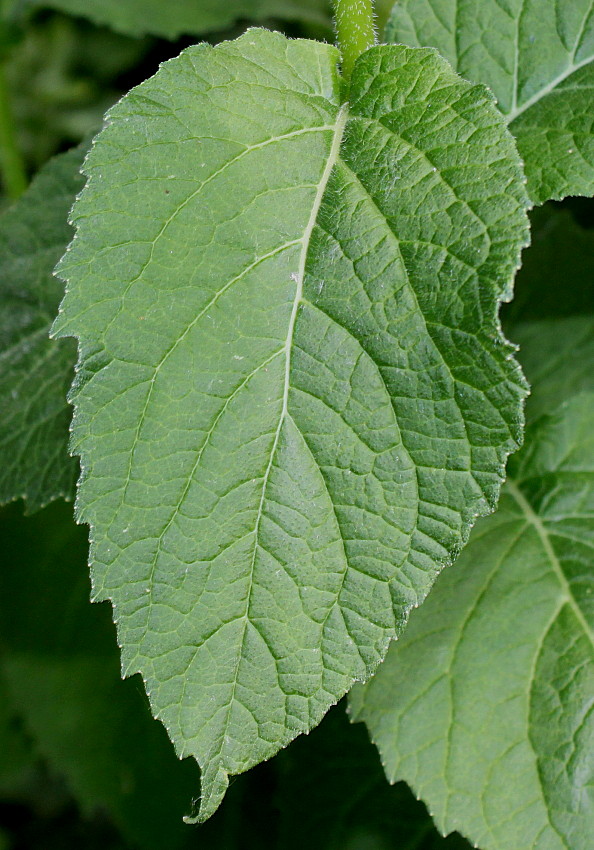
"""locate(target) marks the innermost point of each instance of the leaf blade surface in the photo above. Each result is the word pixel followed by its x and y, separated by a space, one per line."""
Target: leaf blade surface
pixel 250 343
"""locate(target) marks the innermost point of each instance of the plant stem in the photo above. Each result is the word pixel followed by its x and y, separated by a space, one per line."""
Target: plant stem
pixel 355 30
pixel 12 167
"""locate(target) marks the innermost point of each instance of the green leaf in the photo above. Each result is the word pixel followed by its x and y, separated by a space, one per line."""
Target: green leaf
pixel 557 356
pixel 62 671
pixel 187 17
pixel 35 372
pixel 485 705
pixel 293 396
pixel 332 795
pixel 383 9
pixel 537 56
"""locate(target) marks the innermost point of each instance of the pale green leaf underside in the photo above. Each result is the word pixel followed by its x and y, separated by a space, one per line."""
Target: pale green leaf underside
pixel 537 56
pixel 293 396
pixel 191 17
pixel 35 372
pixel 484 706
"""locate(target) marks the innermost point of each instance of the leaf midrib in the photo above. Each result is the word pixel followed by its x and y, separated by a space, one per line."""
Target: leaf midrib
pixel 536 522
pixel 330 163
pixel 546 90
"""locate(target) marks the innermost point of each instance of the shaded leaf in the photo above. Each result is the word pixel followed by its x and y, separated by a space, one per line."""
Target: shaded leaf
pixel 16 757
pixel 189 17
pixel 557 274
pixel 293 396
pixel 557 356
pixel 485 705
pixel 62 670
pixel 333 795
pixel 538 58
pixel 35 372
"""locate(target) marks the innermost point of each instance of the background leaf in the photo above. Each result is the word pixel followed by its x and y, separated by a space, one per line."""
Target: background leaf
pixel 332 795
pixel 293 397
pixel 538 58
pixel 64 74
pixel 35 371
pixel 558 357
pixel 61 666
pixel 190 17
pixel 556 279
pixel 484 706
pixel 17 759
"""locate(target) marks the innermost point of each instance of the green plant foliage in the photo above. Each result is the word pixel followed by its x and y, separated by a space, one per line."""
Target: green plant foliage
pixel 565 251
pixel 293 396
pixel 62 669
pixel 484 706
pixel 34 371
pixel 328 791
pixel 558 357
pixel 192 17
pixel 17 758
pixel 538 58
pixel 383 9
pixel 67 74
pixel 332 795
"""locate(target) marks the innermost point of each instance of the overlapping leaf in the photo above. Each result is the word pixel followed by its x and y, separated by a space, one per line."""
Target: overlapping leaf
pixel 538 58
pixel 293 396
pixel 558 356
pixel 191 17
pixel 485 705
pixel 35 372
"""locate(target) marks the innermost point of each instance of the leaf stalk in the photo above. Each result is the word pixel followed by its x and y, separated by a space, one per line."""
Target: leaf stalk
pixel 355 30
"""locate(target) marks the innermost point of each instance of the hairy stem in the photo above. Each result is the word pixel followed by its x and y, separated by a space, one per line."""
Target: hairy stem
pixel 355 30
pixel 12 167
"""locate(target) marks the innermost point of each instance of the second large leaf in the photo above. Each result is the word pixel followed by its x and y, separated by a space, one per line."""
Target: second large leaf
pixel 293 396
pixel 538 58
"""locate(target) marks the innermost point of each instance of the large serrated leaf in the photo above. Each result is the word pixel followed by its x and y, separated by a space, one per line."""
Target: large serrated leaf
pixel 293 396
pixel 179 17
pixel 485 704
pixel 35 372
pixel 538 58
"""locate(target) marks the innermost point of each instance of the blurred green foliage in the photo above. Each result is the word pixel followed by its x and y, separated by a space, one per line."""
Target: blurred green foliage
pixel 84 765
